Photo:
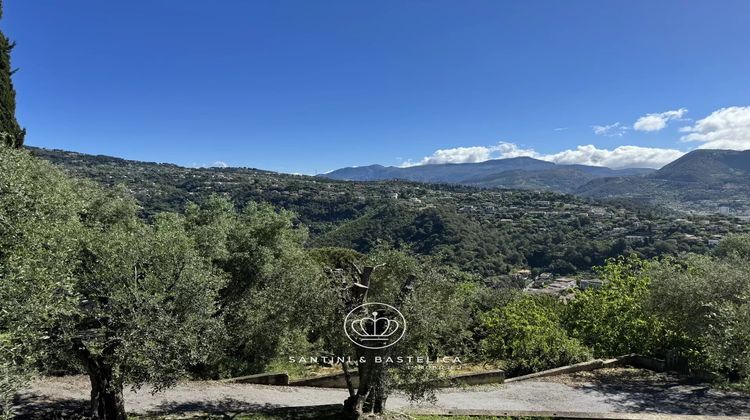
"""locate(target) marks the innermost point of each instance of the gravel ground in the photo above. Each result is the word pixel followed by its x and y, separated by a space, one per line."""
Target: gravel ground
pixel 603 391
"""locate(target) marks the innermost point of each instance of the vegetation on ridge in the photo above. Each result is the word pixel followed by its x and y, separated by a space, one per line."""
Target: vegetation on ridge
pixel 486 232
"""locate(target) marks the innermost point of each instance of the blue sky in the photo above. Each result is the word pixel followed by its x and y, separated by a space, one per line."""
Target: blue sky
pixel 303 86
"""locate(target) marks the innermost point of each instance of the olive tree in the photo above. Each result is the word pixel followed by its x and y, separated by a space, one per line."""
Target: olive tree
pixel 39 226
pixel 435 305
pixel 273 285
pixel 131 302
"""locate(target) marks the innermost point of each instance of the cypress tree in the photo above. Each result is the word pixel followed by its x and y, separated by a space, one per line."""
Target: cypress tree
pixel 11 133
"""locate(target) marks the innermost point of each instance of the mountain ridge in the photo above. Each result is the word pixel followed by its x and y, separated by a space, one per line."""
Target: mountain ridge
pixel 701 180
pixel 504 173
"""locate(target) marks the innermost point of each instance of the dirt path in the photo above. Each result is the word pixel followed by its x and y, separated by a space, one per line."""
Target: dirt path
pixel 615 390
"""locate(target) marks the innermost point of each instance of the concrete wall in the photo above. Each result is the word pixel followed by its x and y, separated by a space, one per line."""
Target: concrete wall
pixel 478 378
pixel 337 380
pixel 578 367
pixel 634 360
pixel 262 379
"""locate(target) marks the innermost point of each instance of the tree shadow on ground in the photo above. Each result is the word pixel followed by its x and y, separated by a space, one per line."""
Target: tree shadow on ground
pixel 229 408
pixel 666 394
pixel 35 406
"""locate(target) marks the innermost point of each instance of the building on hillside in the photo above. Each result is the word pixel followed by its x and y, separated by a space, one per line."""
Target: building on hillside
pixel 522 274
pixel 584 284
pixel 552 287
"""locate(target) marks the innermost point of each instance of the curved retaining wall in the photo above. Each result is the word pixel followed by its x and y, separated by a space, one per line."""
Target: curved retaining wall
pixel 337 380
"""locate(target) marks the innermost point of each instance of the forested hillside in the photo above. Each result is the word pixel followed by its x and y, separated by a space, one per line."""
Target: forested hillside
pixel 484 231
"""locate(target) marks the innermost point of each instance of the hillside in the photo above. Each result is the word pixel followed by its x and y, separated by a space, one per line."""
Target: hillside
pixel 516 173
pixel 484 231
pixel 562 178
pixel 708 167
pixel 702 180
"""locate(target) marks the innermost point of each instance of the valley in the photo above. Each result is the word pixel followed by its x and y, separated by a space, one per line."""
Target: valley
pixel 489 232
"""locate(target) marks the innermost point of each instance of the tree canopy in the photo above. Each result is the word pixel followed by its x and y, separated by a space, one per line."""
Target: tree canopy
pixel 82 275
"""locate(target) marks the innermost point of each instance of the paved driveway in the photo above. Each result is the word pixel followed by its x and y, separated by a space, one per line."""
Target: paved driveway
pixel 607 391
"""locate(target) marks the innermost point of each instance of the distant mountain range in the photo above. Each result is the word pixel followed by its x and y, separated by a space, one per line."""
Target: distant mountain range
pixel 520 172
pixel 704 180
pixel 701 180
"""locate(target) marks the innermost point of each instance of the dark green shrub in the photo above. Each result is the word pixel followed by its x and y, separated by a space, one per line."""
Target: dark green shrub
pixel 528 336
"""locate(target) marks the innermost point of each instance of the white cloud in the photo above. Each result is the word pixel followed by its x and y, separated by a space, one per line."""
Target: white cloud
pixel 455 155
pixel 657 121
pixel 725 128
pixel 472 154
pixel 510 150
pixel 620 157
pixel 611 130
pixel 560 129
pixel 216 164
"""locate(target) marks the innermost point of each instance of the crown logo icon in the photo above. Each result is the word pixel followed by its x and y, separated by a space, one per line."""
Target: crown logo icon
pixel 380 326
pixel 374 327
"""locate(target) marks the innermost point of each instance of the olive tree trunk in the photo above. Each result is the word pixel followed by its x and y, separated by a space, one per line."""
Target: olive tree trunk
pixel 107 402
pixel 372 392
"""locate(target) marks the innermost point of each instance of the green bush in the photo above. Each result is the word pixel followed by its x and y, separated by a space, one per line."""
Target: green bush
pixel 615 319
pixel 707 302
pixel 528 335
pixel 734 245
